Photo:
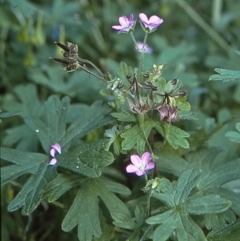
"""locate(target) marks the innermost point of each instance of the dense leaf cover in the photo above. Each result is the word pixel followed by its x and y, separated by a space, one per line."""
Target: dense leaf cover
pixel 169 101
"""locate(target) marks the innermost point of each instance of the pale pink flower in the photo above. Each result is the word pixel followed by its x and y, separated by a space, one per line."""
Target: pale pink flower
pixel 55 148
pixel 53 162
pixel 168 113
pixel 140 165
pixel 143 48
pixel 150 24
pixel 126 24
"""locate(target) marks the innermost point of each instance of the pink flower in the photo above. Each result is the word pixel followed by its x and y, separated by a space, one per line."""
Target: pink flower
pixel 144 48
pixel 150 24
pixel 168 113
pixel 140 165
pixel 55 148
pixel 126 24
pixel 53 162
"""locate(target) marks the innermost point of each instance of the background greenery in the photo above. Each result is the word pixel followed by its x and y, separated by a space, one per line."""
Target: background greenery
pixel 195 38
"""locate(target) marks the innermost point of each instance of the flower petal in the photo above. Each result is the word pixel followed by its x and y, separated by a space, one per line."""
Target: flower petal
pixel 57 147
pixel 150 166
pixel 143 17
pixel 155 19
pixel 136 160
pixel 52 152
pixel 117 27
pixel 131 168
pixel 53 162
pixel 123 20
pixel 146 157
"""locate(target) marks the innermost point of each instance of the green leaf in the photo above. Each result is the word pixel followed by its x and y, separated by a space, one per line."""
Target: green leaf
pixel 30 195
pixel 206 204
pixel 84 213
pixel 229 195
pixel 86 158
pixel 87 199
pixel 21 137
pixel 174 135
pixel 95 117
pixel 182 104
pixel 234 136
pixel 114 138
pixel 238 126
pixel 26 162
pixel 216 220
pixel 56 112
pixel 41 131
pixel 8 114
pixel 140 215
pixel 170 162
pixel 160 218
pixel 124 116
pixel 225 173
pixel 54 129
pixel 58 186
pixel 225 75
pixel 29 98
pixel 230 232
pixel 116 187
pixel 166 194
pixel 163 231
pixel 185 184
pixel 136 137
pixel 187 229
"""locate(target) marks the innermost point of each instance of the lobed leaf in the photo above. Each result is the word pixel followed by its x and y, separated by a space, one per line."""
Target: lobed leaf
pixel 60 185
pixel 174 135
pixel 185 184
pixel 95 117
pixel 87 199
pixel 25 163
pixel 135 136
pixel 206 204
pixel 225 75
pixel 30 195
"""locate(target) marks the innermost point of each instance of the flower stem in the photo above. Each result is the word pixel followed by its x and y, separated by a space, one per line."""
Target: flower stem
pixel 148 198
pixel 141 125
pixel 141 64
pixel 85 61
pixel 149 229
pixel 142 52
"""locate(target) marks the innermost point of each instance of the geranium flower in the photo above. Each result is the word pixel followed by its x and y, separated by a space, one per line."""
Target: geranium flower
pixel 144 47
pixel 126 24
pixel 55 148
pixel 140 165
pixel 150 24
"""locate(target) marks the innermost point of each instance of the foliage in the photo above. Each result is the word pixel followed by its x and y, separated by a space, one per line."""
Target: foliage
pixel 115 100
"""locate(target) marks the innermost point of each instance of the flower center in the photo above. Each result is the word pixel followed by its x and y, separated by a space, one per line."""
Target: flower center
pixel 141 166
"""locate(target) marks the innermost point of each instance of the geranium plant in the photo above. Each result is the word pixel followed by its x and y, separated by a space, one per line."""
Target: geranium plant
pixel 142 178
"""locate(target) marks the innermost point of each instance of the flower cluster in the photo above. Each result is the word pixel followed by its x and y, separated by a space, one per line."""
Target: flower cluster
pixel 127 24
pixel 140 164
pixel 54 148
